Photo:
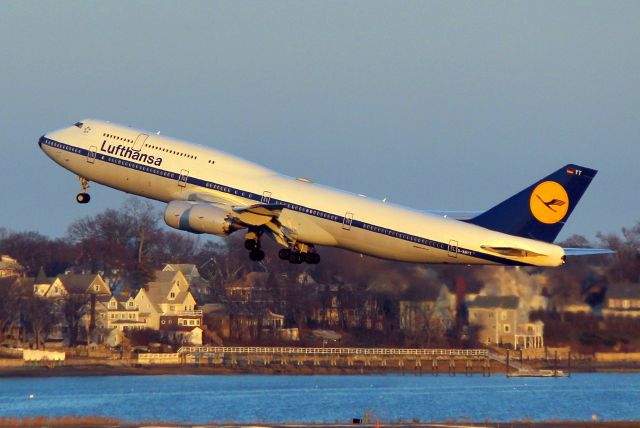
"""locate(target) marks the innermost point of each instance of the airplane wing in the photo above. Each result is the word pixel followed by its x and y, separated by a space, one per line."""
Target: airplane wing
pixel 213 199
pixel 257 214
pixel 245 215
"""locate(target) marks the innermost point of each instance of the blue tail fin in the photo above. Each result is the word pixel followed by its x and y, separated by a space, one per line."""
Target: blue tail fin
pixel 539 211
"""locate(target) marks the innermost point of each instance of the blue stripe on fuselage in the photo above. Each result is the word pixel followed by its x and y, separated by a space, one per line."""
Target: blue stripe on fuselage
pixel 294 207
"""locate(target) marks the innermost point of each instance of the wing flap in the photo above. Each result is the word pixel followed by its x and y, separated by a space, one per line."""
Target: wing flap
pixel 257 214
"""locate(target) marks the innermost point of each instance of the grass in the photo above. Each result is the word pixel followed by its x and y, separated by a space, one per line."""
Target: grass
pixel 64 421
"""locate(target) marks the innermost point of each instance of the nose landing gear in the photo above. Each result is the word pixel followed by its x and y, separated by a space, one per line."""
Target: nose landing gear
pixel 83 197
pixel 252 243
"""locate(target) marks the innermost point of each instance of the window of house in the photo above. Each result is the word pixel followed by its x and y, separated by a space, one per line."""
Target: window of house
pixel 626 304
pixel 96 287
pixel 503 315
pixel 173 295
pixel 172 308
pixel 507 328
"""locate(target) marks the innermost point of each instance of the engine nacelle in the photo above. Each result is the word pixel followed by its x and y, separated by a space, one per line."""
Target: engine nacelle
pixel 199 218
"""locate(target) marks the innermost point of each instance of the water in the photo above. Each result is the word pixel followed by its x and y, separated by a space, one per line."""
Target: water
pixel 262 398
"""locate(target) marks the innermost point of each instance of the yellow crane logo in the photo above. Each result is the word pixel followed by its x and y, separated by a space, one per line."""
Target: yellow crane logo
pixel 549 202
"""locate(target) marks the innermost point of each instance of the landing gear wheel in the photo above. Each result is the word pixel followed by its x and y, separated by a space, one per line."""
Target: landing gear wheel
pixel 251 244
pixel 296 258
pixel 284 254
pixel 312 258
pixel 83 198
pixel 256 255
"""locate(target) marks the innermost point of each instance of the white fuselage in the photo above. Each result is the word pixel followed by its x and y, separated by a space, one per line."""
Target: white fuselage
pixel 168 169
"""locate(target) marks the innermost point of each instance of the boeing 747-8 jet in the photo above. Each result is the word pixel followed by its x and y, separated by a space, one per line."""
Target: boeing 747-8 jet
pixel 208 191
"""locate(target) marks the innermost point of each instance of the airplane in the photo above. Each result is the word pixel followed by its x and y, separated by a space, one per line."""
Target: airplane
pixel 208 191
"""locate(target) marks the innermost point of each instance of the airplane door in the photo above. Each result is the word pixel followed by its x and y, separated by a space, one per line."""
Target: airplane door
pixel 137 145
pixel 453 248
pixel 182 180
pixel 91 155
pixel 348 219
pixel 266 197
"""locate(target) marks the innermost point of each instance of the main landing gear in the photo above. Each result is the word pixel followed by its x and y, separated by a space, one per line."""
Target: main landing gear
pixel 83 197
pixel 300 253
pixel 297 257
pixel 252 243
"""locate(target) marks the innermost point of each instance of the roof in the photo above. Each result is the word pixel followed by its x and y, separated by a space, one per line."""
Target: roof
pixel 158 293
pixel 623 291
pixel 121 302
pixel 163 275
pixel 494 302
pixel 251 280
pixel 185 268
pixel 214 308
pixel 8 263
pixel 77 283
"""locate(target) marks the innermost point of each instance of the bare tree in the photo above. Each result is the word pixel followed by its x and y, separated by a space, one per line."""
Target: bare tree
pixel 9 298
pixel 40 315
pixel 74 307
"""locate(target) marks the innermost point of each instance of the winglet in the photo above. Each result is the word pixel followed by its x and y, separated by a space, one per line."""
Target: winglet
pixel 541 210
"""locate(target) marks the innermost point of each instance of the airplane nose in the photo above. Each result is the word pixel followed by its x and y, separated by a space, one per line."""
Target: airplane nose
pixel 40 141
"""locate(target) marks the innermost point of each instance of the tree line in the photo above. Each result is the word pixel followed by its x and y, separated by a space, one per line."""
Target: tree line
pixel 130 242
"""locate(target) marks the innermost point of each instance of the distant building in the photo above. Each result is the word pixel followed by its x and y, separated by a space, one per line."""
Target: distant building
pixel 251 288
pixel 622 300
pixel 71 284
pixel 197 284
pixel 503 320
pixel 218 321
pixel 576 308
pixel 437 303
pixel 9 267
pixel 165 304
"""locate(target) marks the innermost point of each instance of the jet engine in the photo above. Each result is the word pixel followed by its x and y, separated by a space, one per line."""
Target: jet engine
pixel 199 218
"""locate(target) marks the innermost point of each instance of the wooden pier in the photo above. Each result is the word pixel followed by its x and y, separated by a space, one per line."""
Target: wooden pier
pixel 294 359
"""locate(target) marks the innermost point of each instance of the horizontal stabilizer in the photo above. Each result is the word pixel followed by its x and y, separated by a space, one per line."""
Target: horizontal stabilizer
pixel 586 251
pixel 456 215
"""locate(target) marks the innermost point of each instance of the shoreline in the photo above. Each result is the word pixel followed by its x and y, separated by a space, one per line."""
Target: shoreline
pixel 99 421
pixel 102 367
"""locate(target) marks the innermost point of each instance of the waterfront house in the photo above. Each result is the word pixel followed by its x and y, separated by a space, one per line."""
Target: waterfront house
pixel 622 300
pixel 503 320
pixel 196 283
pixel 59 287
pixel 251 288
pixel 437 304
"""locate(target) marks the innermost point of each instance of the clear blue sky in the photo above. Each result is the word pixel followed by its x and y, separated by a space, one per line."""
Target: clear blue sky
pixel 434 105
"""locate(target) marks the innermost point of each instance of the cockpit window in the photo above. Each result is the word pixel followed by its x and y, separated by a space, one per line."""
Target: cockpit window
pixel 78 124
